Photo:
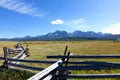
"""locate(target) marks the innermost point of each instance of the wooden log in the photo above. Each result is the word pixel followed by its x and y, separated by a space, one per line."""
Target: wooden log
pixel 67 59
pixel 88 67
pixel 65 50
pixel 2 58
pixel 86 56
pixel 18 55
pixel 24 66
pixel 18 50
pixel 41 75
pixel 70 62
pixel 64 72
pixel 5 63
pixel 90 76
pixel 15 57
pixel 33 61
pixel 21 58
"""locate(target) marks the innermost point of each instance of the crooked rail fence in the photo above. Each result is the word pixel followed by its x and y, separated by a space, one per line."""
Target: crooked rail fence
pixel 61 70
pixel 20 53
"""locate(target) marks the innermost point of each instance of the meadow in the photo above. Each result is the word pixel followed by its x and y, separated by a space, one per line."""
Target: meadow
pixel 40 49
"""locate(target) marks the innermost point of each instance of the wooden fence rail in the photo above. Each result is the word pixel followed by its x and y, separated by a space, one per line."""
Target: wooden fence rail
pixel 48 73
pixel 88 67
pixel 42 75
pixel 89 64
pixel 59 70
pixel 85 56
pixel 90 76
pixel 20 53
pixel 26 67
pixel 33 61
pixel 2 58
pixel 70 62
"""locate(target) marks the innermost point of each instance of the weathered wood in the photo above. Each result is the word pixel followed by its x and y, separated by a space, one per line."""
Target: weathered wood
pixel 26 67
pixel 17 50
pixel 65 50
pixel 21 58
pixel 2 58
pixel 41 75
pixel 90 76
pixel 21 55
pixel 64 72
pixel 50 72
pixel 18 55
pixel 5 63
pixel 85 56
pixel 88 67
pixel 67 59
pixel 70 62
pixel 33 61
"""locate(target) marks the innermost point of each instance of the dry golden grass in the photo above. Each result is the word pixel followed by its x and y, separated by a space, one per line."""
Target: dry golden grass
pixel 39 50
pixel 6 44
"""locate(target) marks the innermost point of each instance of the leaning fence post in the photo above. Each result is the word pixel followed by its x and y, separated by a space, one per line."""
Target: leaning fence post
pixel 27 52
pixel 67 72
pixel 5 64
pixel 66 62
pixel 64 72
pixel 63 59
pixel 65 50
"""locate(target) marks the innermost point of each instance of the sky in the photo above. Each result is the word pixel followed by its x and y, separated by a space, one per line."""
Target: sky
pixel 19 18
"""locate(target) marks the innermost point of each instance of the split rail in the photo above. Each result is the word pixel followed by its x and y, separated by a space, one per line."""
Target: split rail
pixel 62 69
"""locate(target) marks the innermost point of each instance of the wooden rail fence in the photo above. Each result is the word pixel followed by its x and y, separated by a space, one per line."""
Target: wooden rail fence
pixel 61 70
pixel 20 54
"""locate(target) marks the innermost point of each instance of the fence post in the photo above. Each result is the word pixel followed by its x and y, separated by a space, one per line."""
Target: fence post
pixel 65 50
pixel 66 63
pixel 27 51
pixel 5 63
pixel 67 72
pixel 64 72
pixel 63 59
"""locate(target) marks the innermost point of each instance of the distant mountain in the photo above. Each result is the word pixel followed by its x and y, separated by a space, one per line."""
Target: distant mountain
pixel 112 37
pixel 56 35
pixel 88 34
pixel 63 35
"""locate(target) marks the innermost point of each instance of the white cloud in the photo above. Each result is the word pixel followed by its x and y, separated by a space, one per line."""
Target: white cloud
pixel 56 22
pixel 20 7
pixel 114 29
pixel 78 24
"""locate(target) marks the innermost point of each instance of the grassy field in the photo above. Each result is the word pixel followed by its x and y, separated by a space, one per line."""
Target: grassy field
pixel 40 49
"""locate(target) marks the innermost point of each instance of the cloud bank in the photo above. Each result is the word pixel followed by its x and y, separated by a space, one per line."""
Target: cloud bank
pixel 20 7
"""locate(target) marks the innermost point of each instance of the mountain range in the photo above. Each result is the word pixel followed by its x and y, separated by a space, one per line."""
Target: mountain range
pixel 63 35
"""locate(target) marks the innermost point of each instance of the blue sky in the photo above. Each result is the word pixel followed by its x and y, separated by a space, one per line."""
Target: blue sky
pixel 19 18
